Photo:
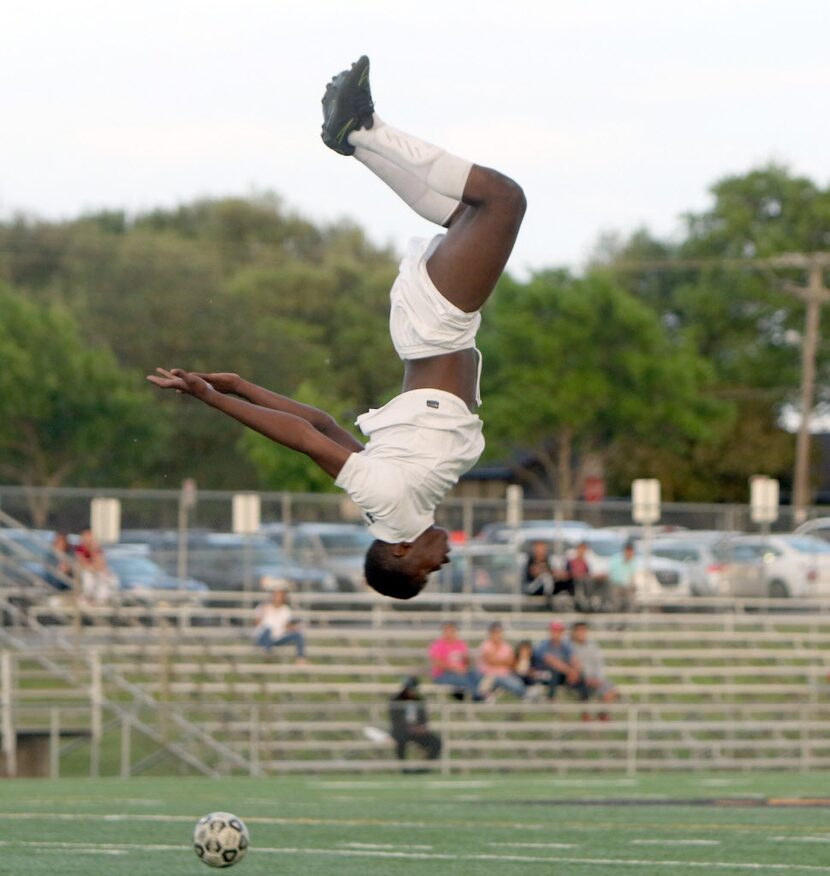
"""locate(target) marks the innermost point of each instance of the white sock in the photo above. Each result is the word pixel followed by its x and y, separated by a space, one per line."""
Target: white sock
pixel 437 169
pixel 424 201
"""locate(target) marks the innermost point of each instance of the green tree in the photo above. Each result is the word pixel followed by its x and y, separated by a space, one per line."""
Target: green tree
pixel 279 468
pixel 234 284
pixel 576 366
pixel 68 412
pixel 737 317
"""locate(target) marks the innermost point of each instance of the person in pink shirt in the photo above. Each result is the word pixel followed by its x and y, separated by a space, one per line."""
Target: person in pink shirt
pixel 496 658
pixel 449 657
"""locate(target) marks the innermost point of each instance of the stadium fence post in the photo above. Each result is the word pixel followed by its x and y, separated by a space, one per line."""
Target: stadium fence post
pixel 54 742
pixel 254 758
pixel 445 743
pixel 126 747
pixel 804 735
pixel 96 703
pixel 9 732
pixel 631 751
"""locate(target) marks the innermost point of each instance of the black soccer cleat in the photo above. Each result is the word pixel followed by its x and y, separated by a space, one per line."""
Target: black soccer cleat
pixel 347 106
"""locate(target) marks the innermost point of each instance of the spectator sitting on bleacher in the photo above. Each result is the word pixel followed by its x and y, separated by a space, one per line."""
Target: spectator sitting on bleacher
pixel 538 571
pixel 449 657
pixel 59 569
pixel 555 656
pixel 590 590
pixel 97 581
pixel 275 626
pixel 622 571
pixel 409 723
pixel 590 658
pixel 526 672
pixel 495 662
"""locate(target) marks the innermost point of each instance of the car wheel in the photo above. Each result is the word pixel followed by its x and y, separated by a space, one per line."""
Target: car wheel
pixel 778 590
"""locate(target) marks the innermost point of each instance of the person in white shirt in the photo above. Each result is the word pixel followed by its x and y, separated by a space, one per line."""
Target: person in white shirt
pixel 423 440
pixel 276 626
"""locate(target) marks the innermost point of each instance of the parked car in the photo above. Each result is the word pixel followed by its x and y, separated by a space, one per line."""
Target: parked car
pixel 818 527
pixel 26 557
pixel 140 578
pixel 479 568
pixel 707 561
pixel 635 532
pixel 661 577
pixel 779 566
pixel 505 533
pixel 340 548
pixel 225 561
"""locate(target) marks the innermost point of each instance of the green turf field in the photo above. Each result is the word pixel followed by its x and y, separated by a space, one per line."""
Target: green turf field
pixel 425 824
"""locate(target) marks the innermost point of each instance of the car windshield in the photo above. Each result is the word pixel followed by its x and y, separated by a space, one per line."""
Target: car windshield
pixel 346 542
pixel 606 547
pixel 265 556
pixel 27 544
pixel 805 544
pixel 681 552
pixel 136 567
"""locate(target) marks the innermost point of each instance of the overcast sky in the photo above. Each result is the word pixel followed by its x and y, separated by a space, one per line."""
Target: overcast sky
pixel 611 114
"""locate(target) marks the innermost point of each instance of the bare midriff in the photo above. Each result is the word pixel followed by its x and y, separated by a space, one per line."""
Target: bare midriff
pixel 451 372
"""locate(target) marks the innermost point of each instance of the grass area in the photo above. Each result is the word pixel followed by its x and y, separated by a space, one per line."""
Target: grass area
pixel 419 824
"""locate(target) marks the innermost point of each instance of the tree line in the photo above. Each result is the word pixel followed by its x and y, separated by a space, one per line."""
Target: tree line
pixel 638 365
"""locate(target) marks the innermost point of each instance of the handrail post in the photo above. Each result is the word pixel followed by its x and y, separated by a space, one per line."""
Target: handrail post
pixel 6 697
pixel 632 731
pixel 445 742
pixel 54 743
pixel 96 703
pixel 254 758
pixel 126 747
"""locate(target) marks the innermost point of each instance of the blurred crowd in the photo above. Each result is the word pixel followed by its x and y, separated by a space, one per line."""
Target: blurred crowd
pixel 568 659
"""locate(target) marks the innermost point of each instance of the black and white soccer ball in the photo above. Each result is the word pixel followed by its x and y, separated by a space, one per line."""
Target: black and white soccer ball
pixel 220 839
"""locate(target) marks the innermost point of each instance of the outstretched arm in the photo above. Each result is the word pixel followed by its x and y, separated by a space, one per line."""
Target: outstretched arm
pixel 284 428
pixel 227 382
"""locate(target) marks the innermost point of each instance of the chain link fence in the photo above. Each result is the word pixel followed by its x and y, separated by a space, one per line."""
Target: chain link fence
pixel 68 509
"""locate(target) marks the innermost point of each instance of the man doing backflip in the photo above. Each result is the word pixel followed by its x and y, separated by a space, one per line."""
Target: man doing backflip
pixel 422 441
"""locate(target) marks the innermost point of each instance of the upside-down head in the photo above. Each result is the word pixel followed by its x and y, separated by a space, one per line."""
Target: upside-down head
pixel 401 570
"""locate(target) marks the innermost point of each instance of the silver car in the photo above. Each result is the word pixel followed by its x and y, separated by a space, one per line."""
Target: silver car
pixel 707 562
pixel 779 566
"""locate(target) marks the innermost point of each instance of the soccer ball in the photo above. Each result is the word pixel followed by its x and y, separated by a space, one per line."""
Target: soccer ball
pixel 220 839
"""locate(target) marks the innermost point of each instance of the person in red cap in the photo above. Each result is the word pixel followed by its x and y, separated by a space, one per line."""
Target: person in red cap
pixel 556 656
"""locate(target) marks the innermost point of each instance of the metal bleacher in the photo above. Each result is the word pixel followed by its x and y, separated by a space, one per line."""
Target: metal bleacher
pixel 704 685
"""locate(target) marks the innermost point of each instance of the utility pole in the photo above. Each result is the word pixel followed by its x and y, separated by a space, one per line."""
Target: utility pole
pixel 814 294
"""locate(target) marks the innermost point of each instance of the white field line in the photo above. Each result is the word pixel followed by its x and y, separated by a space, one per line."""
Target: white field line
pixel 394 846
pixel 137 801
pixel 435 856
pixel 721 783
pixel 440 784
pixel 534 845
pixel 111 852
pixel 585 783
pixel 674 842
pixel 249 819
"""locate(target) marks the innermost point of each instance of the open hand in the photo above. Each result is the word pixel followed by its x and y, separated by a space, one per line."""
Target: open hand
pixel 180 380
pixel 222 381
